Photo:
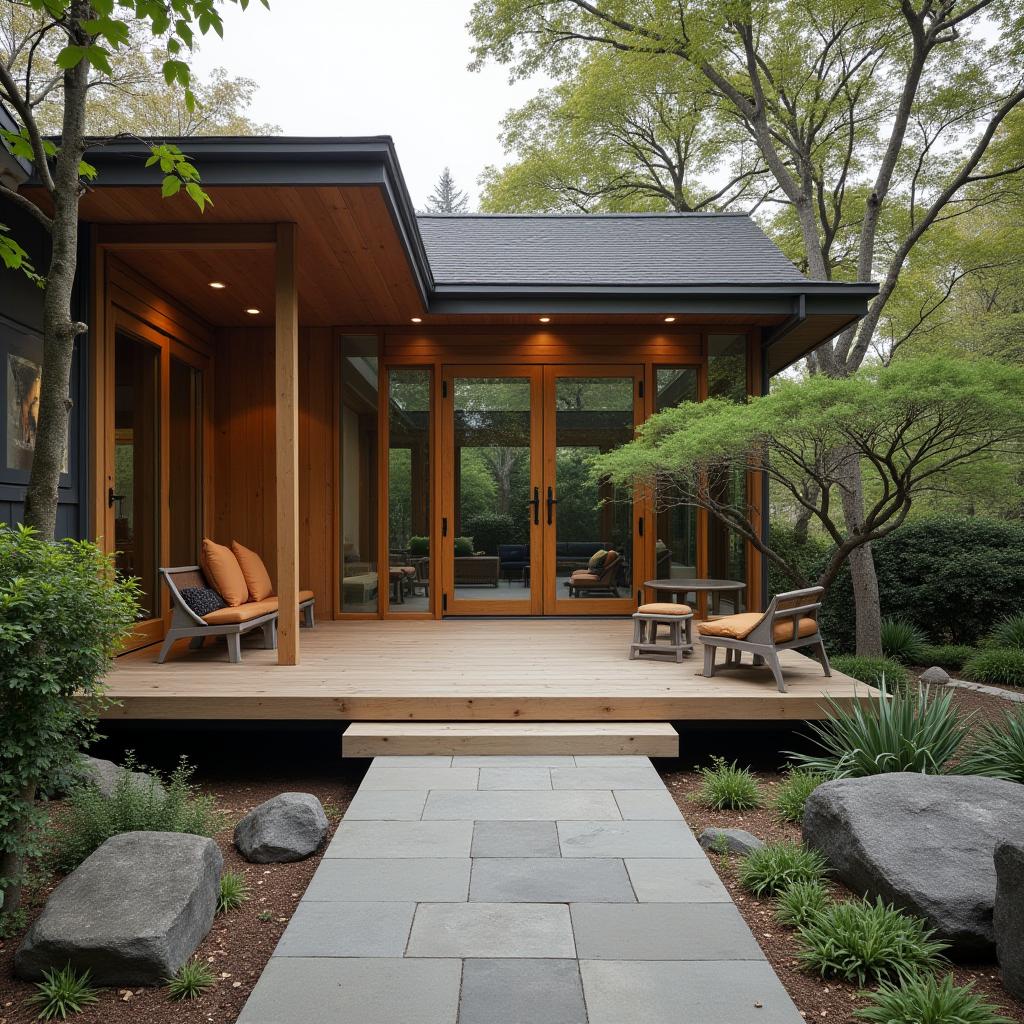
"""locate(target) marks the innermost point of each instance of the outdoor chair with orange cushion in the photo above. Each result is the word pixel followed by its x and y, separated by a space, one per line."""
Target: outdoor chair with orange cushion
pixel 790 621
pixel 601 579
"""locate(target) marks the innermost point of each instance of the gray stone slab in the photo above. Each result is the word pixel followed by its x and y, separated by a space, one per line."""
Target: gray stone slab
pixel 491 930
pixel 506 805
pixel 607 777
pixel 516 777
pixel 699 992
pixel 522 992
pixel 415 777
pixel 647 804
pixel 371 991
pixel 372 879
pixel 385 839
pixel 662 931
pixel 613 760
pixel 666 880
pixel 387 805
pixel 413 761
pixel 509 760
pixel 626 839
pixel 347 929
pixel 550 880
pixel 515 839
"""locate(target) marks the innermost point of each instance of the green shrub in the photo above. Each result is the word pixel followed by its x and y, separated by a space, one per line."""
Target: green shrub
pixel 927 1000
pixel 798 903
pixel 234 891
pixel 419 547
pixel 792 794
pixel 1008 632
pixel 489 529
pixel 997 750
pixel 947 656
pixel 463 547
pixel 863 942
pixel 777 865
pixel 902 640
pixel 922 732
pixel 727 787
pixel 192 980
pixel 63 992
pixel 873 670
pixel 1001 666
pixel 63 614
pixel 171 806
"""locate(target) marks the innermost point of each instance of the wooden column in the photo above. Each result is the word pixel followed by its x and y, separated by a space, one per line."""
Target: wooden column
pixel 286 386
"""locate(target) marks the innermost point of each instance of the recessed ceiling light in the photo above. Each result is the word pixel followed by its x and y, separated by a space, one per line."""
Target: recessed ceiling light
pixel 545 319
pixel 252 311
pixel 670 319
pixel 218 285
pixel 416 319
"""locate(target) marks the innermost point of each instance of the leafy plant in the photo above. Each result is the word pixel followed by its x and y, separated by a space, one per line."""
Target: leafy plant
pixel 63 613
pixel 63 992
pixel 864 942
pixel 234 891
pixel 775 866
pixel 792 794
pixel 796 904
pixel 489 529
pixel 873 670
pixel 947 656
pixel 901 733
pixel 1008 632
pixel 997 750
pixel 1002 666
pixel 902 640
pixel 193 978
pixel 157 806
pixel 925 999
pixel 728 787
pixel 463 547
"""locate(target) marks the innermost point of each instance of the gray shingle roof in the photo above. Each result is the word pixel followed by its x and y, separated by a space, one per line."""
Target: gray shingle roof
pixel 602 249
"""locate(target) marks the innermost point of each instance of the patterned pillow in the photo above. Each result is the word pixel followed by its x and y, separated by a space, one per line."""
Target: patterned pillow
pixel 202 600
pixel 597 560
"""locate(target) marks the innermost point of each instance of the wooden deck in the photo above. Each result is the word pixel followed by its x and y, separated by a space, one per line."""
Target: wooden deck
pixel 465 670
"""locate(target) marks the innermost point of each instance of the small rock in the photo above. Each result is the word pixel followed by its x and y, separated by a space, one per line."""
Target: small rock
pixel 735 840
pixel 288 827
pixel 1008 916
pixel 935 676
pixel 104 775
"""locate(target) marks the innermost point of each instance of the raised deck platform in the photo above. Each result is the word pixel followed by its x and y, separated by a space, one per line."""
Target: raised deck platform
pixel 466 670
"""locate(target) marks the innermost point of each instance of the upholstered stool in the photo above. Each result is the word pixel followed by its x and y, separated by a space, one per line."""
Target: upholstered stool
pixel 646 620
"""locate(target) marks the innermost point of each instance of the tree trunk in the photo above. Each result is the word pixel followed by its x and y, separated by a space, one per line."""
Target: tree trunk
pixel 862 565
pixel 12 863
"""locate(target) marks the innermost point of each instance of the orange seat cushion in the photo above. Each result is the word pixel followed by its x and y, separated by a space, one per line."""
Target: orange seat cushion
pixel 739 627
pixel 304 595
pixel 665 608
pixel 241 613
pixel 257 579
pixel 223 572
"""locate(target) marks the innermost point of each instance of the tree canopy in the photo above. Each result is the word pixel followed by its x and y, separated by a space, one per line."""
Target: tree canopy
pixel 447 197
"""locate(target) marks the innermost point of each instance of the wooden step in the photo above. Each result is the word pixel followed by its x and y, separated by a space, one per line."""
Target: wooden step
pixel 369 739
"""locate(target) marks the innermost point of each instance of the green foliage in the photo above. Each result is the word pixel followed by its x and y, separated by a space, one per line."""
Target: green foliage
pixel 947 656
pixel 419 547
pixel 900 732
pixel 1001 666
pixel 728 787
pixel 178 171
pixel 792 793
pixel 997 749
pixel 463 547
pixel 924 999
pixel 1008 632
pixel 14 257
pixel 489 529
pixel 776 866
pixel 234 891
pixel 797 903
pixel 873 670
pixel 63 613
pixel 63 992
pixel 863 942
pixel 156 806
pixel 902 640
pixel 808 556
pixel 193 978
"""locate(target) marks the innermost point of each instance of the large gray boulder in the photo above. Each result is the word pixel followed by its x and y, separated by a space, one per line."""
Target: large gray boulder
pixel 132 913
pixel 289 826
pixel 104 775
pixel 729 840
pixel 923 842
pixel 1009 914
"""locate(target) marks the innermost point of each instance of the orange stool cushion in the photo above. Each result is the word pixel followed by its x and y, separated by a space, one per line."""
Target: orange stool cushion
pixel 664 608
pixel 222 570
pixel 257 579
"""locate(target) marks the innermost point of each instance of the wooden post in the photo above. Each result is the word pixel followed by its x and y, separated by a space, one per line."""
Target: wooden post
pixel 286 384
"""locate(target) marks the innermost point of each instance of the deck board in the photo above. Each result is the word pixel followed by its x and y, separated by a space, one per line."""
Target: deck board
pixel 465 670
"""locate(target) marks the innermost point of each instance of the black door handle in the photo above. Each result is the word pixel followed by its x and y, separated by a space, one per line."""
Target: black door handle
pixel 552 502
pixel 536 506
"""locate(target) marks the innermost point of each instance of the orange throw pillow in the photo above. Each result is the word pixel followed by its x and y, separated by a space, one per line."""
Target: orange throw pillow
pixel 223 572
pixel 257 579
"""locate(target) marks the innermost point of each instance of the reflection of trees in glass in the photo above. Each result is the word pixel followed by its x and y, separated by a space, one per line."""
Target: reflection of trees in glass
pixel 596 394
pixel 399 497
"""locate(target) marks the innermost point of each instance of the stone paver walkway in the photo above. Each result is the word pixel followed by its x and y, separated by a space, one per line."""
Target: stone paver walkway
pixel 516 890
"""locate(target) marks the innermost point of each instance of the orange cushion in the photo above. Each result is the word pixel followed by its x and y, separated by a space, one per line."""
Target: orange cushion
pixel 665 608
pixel 223 572
pixel 257 579
pixel 242 613
pixel 739 627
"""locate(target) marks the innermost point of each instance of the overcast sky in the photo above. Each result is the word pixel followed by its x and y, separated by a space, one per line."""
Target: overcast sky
pixel 384 67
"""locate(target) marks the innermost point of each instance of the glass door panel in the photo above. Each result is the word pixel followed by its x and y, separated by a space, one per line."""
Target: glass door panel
pixel 185 470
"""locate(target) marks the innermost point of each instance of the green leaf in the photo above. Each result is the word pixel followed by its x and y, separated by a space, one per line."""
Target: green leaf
pixel 86 170
pixel 98 58
pixel 71 56
pixel 199 197
pixel 171 186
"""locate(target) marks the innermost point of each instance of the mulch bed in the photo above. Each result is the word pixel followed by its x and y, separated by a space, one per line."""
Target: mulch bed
pixel 240 942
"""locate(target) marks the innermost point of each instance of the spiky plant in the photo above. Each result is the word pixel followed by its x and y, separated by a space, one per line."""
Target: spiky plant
pixel 775 866
pixel 728 787
pixel 798 902
pixel 193 978
pixel 997 749
pixel 927 1000
pixel 791 796
pixel 902 640
pixel 234 891
pixel 63 992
